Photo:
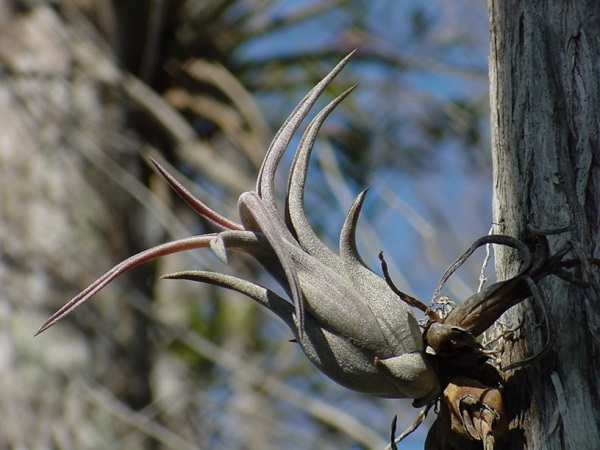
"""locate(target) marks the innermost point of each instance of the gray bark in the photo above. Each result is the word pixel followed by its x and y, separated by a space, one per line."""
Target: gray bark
pixel 545 98
pixel 63 133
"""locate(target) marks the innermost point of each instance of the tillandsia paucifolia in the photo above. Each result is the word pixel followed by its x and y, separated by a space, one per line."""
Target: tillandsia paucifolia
pixel 345 318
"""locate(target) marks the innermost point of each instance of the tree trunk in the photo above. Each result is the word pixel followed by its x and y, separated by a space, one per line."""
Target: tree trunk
pixel 545 97
pixel 64 219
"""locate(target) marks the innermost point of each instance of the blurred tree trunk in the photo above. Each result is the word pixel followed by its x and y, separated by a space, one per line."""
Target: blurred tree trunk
pixel 545 103
pixel 64 220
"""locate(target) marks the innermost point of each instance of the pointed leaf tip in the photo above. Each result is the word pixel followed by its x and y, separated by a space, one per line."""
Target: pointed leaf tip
pixel 168 248
pixel 197 205
pixel 218 247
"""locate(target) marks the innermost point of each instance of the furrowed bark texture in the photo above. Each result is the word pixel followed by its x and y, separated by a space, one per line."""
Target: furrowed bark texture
pixel 545 98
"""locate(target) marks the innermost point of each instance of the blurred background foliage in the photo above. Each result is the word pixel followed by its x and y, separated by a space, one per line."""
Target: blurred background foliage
pixel 90 88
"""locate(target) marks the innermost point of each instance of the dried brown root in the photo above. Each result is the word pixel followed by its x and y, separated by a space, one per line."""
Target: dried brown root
pixel 471 417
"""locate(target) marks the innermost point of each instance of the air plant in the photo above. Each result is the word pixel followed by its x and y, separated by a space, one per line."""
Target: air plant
pixel 354 326
pixel 346 319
